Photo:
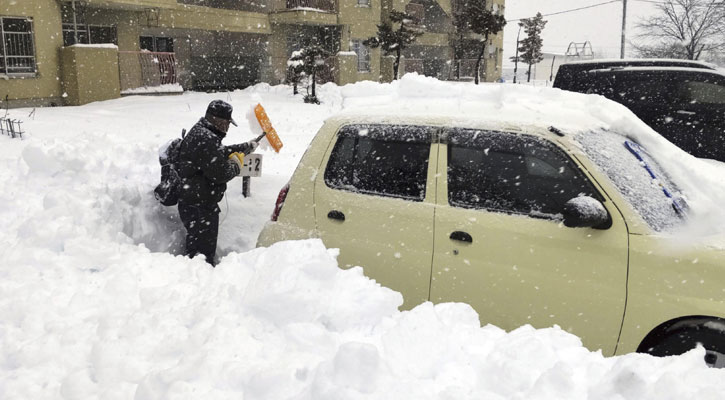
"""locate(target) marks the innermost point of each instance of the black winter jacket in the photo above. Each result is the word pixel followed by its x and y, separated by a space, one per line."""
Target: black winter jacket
pixel 204 165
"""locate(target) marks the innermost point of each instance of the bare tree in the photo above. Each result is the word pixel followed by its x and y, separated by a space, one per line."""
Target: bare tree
pixel 683 29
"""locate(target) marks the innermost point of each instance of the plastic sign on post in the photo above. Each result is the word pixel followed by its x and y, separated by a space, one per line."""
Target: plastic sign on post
pixel 266 125
pixel 252 166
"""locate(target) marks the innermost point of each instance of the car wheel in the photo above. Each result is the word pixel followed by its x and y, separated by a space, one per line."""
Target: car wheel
pixel 687 339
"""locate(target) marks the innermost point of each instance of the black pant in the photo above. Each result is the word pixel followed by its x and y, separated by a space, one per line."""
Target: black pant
pixel 202 229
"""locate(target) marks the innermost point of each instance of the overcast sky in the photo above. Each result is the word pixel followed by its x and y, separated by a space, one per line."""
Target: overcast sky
pixel 600 25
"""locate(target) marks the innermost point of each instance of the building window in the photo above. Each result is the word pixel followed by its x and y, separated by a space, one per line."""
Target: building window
pixel 363 55
pixel 89 34
pixel 17 49
pixel 157 44
pixel 86 33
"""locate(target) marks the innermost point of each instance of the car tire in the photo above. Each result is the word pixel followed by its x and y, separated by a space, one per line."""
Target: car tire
pixel 686 339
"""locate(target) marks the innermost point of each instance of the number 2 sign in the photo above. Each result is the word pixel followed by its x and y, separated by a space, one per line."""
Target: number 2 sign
pixel 252 165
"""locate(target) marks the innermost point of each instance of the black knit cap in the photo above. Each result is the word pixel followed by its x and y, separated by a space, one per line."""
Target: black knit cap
pixel 221 109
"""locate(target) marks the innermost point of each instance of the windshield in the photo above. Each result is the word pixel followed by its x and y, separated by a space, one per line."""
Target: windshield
pixel 639 178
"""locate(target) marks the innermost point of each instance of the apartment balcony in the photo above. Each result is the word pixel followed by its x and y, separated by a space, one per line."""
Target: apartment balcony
pixel 131 4
pixel 304 12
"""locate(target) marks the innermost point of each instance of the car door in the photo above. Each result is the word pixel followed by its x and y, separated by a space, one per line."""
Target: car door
pixel 375 202
pixel 501 247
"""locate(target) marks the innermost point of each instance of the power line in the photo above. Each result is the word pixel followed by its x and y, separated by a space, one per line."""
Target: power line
pixel 572 10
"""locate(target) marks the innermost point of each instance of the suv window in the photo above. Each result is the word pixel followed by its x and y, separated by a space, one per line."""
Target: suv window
pixel 667 89
pixel 511 173
pixel 703 92
pixel 384 160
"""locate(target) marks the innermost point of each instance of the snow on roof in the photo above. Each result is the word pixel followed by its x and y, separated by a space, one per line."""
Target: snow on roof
pixel 96 45
pixel 415 96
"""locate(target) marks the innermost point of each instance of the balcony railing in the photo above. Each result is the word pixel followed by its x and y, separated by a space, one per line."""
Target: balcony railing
pixel 259 6
pixel 146 69
pixel 321 5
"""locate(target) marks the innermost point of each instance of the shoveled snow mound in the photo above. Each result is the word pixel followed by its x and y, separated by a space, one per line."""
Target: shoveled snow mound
pixel 117 322
pixel 94 306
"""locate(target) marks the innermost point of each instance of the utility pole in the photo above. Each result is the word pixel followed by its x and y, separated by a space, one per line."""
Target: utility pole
pixel 516 59
pixel 624 27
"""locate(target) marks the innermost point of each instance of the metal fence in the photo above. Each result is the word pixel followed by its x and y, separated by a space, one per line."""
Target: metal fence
pixel 11 127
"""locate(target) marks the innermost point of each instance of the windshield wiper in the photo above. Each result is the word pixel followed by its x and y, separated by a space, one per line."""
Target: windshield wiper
pixel 678 203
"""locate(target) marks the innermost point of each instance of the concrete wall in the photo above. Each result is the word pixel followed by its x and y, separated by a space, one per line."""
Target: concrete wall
pixel 44 87
pixel 89 74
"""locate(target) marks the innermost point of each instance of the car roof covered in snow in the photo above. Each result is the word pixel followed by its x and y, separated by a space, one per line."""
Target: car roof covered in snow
pixel 416 99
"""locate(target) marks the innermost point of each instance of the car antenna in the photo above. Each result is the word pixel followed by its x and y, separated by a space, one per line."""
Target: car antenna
pixel 556 130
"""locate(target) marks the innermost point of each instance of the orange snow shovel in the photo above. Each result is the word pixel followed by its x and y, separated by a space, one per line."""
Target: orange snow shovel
pixel 266 125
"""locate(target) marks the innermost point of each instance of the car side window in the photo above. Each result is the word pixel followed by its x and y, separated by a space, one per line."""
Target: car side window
pixel 640 90
pixel 384 160
pixel 511 173
pixel 695 92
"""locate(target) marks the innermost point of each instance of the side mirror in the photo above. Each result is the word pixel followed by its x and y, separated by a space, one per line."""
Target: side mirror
pixel 586 212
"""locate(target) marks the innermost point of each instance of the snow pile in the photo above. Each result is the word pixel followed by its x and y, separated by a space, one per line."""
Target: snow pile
pixel 118 322
pixel 94 305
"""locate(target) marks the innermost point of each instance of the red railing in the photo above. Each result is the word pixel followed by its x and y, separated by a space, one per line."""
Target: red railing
pixel 147 69
pixel 157 64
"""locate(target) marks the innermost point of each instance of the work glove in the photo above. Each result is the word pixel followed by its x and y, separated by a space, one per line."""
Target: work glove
pixel 238 159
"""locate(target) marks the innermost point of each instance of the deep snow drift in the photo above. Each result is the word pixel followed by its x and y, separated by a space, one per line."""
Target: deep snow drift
pixel 93 306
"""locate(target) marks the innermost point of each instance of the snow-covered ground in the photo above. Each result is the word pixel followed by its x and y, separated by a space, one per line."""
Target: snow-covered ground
pixel 94 306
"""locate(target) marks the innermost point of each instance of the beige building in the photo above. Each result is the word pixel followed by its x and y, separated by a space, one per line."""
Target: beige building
pixel 65 52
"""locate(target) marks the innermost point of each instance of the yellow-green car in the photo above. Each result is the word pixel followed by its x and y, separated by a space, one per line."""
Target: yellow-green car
pixel 527 224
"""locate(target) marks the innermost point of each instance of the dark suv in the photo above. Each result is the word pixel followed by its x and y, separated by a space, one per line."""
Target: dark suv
pixel 682 100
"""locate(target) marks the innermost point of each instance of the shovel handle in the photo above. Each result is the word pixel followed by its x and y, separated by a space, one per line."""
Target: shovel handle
pixel 260 137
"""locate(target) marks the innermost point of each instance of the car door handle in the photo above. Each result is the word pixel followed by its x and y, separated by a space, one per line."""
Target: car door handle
pixel 685 112
pixel 334 214
pixel 461 237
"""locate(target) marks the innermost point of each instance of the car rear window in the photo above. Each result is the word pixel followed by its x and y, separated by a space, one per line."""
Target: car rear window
pixel 383 160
